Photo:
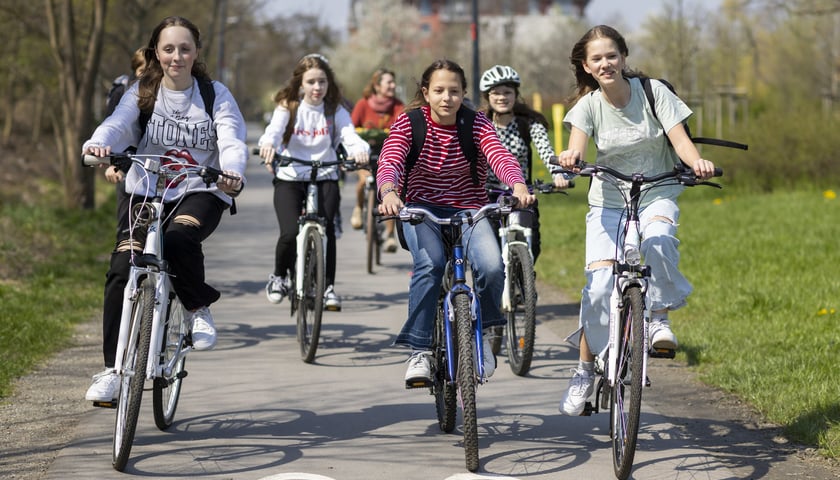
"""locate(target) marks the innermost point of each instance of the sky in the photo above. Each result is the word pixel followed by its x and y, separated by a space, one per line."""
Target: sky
pixel 633 12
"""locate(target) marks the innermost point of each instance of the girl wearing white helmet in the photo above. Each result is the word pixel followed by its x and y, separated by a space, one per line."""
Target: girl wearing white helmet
pixel 517 126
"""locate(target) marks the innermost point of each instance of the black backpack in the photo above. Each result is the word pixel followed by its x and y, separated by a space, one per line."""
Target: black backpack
pixel 465 122
pixel 704 140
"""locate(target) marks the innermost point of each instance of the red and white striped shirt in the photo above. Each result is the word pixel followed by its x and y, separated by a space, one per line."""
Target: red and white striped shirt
pixel 441 176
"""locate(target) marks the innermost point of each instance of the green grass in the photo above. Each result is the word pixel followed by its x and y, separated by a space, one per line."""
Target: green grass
pixel 52 265
pixel 762 322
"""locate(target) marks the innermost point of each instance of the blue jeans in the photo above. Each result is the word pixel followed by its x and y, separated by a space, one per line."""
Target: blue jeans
pixel 667 288
pixel 425 242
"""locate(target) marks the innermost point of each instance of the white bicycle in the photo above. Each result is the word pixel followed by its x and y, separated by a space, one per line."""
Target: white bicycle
pixel 155 333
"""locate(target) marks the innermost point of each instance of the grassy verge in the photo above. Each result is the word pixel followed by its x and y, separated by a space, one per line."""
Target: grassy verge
pixel 52 265
pixel 763 319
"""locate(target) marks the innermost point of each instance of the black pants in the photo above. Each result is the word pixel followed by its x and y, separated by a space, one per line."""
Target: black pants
pixel 194 219
pixel 289 198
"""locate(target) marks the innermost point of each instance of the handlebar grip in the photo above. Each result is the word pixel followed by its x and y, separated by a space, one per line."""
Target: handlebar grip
pixel 718 172
pixel 89 160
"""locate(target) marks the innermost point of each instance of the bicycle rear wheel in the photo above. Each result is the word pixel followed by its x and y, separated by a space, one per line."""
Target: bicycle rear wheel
pixel 521 319
pixel 372 232
pixel 444 388
pixel 133 376
pixel 167 387
pixel 626 395
pixel 466 377
pixel 311 304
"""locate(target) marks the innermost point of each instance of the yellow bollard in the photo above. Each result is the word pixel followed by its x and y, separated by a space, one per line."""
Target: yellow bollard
pixel 537 101
pixel 558 111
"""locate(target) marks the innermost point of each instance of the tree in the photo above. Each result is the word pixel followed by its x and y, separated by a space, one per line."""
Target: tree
pixel 76 83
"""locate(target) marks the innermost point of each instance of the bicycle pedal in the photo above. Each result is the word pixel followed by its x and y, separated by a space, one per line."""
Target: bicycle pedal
pixel 588 410
pixel 332 308
pixel 418 383
pixel 111 404
pixel 662 353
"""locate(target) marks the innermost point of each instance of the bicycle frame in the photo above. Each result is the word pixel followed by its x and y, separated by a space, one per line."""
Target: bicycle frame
pixel 150 264
pixel 308 220
pixel 456 277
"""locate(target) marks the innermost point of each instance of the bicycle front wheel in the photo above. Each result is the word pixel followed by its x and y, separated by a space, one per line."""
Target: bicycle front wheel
pixel 467 378
pixel 521 319
pixel 311 303
pixel 626 396
pixel 133 377
pixel 167 387
pixel 444 388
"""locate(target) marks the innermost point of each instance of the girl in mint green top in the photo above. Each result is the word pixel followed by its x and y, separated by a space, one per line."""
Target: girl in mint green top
pixel 612 109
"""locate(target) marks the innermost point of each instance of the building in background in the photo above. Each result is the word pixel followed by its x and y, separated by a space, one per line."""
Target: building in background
pixel 437 13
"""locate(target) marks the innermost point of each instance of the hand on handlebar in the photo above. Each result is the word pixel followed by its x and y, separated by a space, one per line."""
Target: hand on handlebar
pixel 526 198
pixel 112 173
pixel 390 204
pixel 362 158
pixel 267 154
pixel 568 159
pixel 230 182
pixel 704 169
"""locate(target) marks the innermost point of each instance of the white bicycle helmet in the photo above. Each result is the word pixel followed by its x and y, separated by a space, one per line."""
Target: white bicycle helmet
pixel 498 75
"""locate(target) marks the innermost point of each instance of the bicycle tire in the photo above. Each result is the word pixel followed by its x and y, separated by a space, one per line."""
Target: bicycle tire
pixel 521 319
pixel 443 388
pixel 467 378
pixel 134 373
pixel 371 231
pixel 626 396
pixel 311 304
pixel 167 388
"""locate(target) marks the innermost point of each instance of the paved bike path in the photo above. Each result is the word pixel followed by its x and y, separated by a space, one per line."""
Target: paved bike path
pixel 251 409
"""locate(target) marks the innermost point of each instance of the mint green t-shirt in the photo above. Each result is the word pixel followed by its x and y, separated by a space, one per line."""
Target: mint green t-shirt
pixel 630 139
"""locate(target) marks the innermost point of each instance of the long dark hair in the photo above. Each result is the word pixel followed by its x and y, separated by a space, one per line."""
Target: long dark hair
pixel 442 64
pixel 153 73
pixel 289 95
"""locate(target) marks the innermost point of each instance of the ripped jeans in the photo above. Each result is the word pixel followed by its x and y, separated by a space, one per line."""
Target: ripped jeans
pixel 192 221
pixel 667 289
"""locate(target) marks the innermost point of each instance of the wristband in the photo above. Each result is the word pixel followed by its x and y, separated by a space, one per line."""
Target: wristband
pixel 386 191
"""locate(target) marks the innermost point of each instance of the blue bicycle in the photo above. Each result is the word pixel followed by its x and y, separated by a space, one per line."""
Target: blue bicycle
pixel 457 350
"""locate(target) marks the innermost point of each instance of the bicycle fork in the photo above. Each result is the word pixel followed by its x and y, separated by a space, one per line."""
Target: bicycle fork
pixel 460 287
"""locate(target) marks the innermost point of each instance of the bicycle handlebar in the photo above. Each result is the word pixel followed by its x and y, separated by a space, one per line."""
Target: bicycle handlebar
pixel 682 174
pixel 285 161
pixel 152 163
pixel 417 215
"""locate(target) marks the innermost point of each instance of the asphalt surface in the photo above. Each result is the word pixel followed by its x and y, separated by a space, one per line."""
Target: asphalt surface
pixel 251 409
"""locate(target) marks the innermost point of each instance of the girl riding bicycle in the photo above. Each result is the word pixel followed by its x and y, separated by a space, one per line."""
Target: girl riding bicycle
pixel 441 180
pixel 376 110
pixel 612 108
pixel 517 126
pixel 309 123
pixel 170 89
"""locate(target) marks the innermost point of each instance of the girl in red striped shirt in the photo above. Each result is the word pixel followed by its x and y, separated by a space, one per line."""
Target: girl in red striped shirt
pixel 441 180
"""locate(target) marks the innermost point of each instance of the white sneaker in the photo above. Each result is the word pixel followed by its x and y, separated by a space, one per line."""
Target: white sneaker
pixel 332 301
pixel 489 356
pixel 419 368
pixel 105 387
pixel 203 330
pixel 580 388
pixel 276 289
pixel 661 335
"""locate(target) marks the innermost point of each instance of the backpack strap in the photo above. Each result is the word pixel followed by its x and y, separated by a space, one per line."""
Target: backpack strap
pixel 465 123
pixel 703 140
pixel 523 124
